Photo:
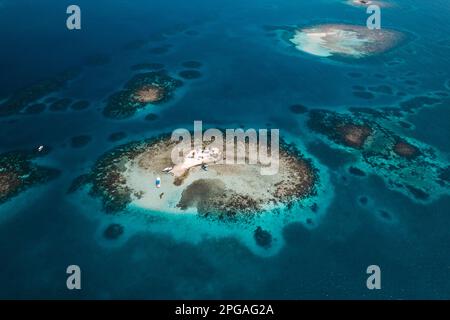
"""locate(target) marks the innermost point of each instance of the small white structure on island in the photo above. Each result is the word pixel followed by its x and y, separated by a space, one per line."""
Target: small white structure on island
pixel 167 170
pixel 197 157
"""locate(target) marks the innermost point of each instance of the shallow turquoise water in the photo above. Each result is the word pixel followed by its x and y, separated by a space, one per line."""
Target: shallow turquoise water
pixel 249 78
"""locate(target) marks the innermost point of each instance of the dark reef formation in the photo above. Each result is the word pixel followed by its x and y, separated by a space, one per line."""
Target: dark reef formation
pixel 35 108
pixel 415 103
pixel 385 215
pixel 18 172
pixel 60 105
pixel 151 117
pixel 147 66
pixel 383 89
pixel 405 165
pixel 80 105
pixel 80 141
pixel 134 44
pixel 190 74
pixel 117 136
pixel 153 87
pixel 106 177
pixel 298 109
pixel 340 128
pixel 212 199
pixel 371 92
pixel 79 182
pixel 192 64
pixel 363 200
pixel 363 95
pixel 161 49
pixel 405 125
pixel 334 158
pixel 31 94
pixel 205 195
pixel 405 149
pixel 113 231
pixel 444 175
pixel 355 75
pixel 263 238
pixel 356 172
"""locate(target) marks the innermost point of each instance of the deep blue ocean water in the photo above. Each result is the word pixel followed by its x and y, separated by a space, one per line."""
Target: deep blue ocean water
pixel 249 78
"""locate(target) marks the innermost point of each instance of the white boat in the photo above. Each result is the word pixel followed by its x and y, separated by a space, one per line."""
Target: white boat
pixel 166 170
pixel 158 182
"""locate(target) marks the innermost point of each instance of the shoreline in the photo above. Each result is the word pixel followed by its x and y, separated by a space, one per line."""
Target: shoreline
pixel 127 175
pixel 344 40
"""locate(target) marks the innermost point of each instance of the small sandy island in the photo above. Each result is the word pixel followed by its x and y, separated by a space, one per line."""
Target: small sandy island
pixel 154 87
pixel 349 41
pixel 142 173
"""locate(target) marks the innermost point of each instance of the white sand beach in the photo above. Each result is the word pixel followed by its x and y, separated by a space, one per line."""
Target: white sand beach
pixel 188 185
pixel 344 40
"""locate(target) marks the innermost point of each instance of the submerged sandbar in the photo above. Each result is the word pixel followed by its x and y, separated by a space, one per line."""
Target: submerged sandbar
pixel 343 40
